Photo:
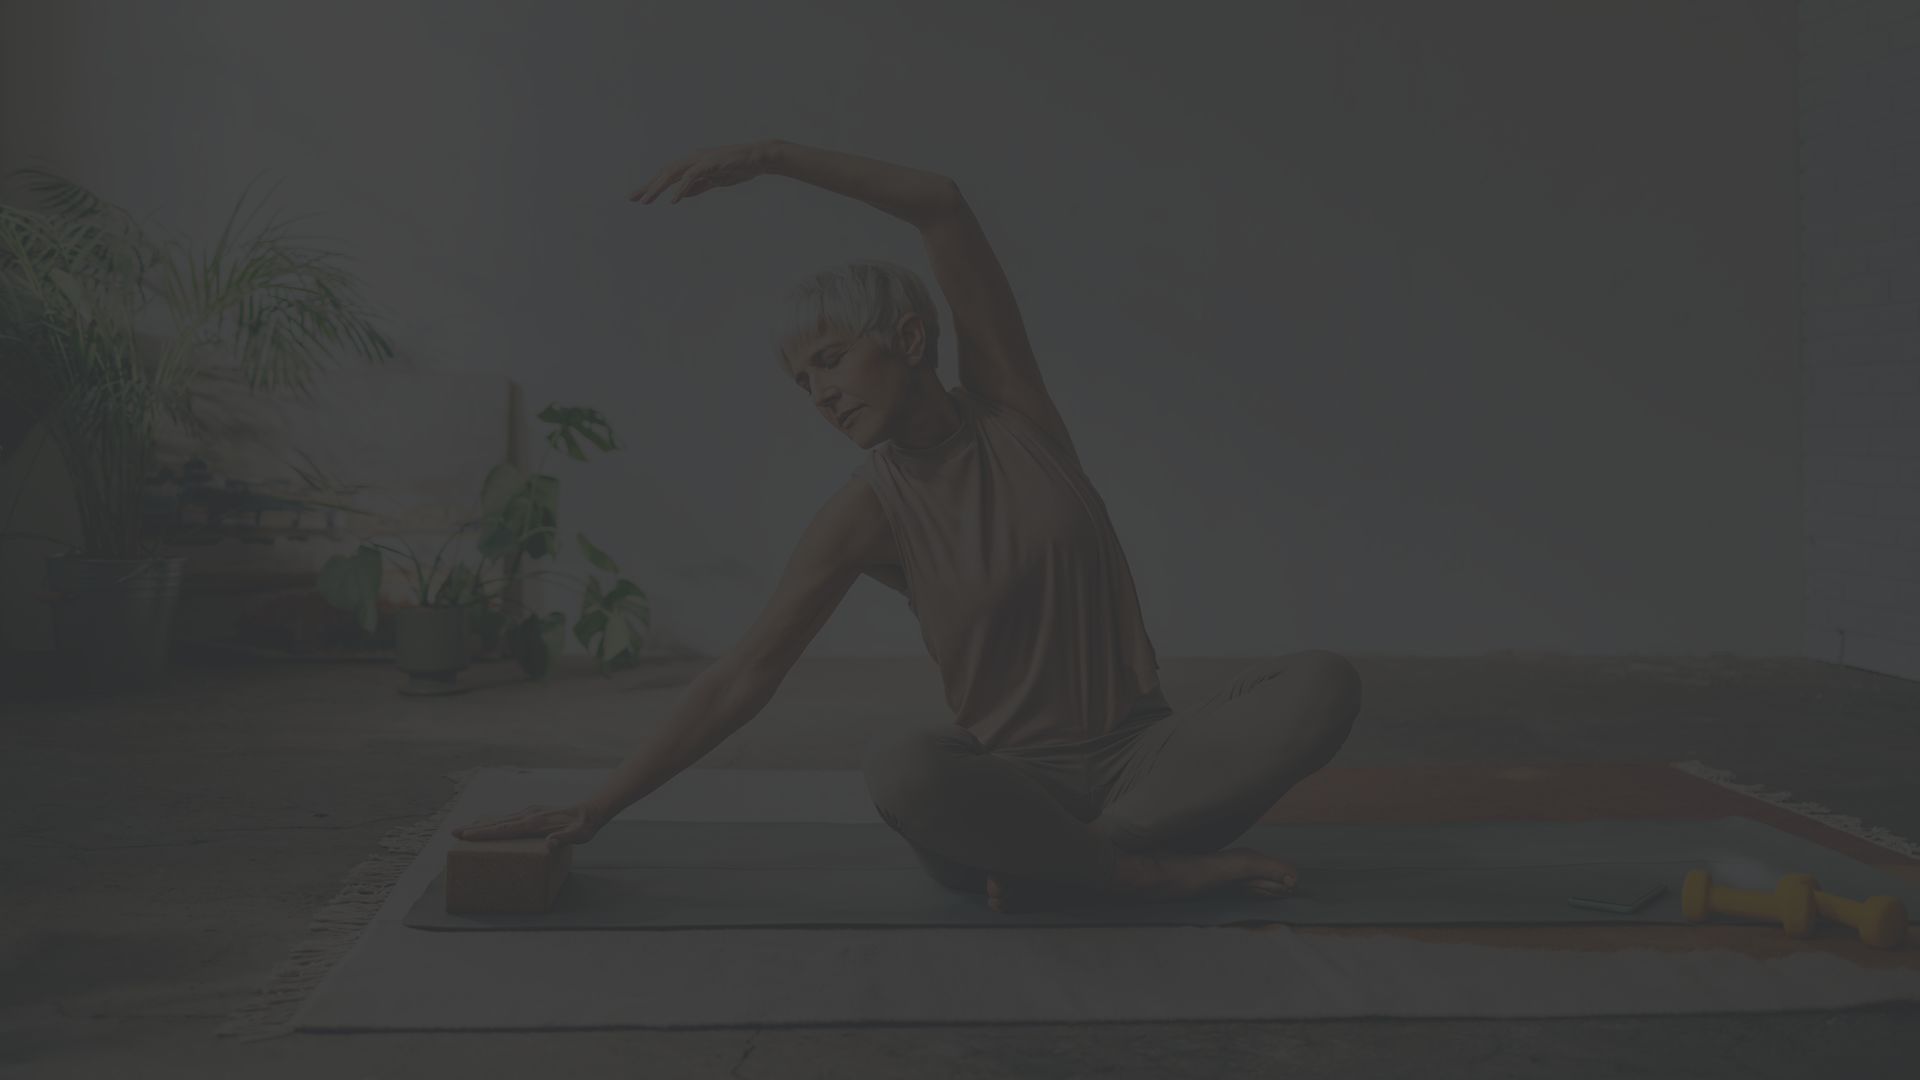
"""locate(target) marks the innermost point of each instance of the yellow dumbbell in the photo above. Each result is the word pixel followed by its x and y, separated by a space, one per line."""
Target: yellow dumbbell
pixel 1791 903
pixel 1880 920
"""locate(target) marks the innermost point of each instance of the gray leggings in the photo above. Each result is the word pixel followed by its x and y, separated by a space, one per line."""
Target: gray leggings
pixel 1189 781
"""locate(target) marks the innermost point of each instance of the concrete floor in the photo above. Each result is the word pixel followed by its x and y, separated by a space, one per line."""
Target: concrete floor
pixel 165 849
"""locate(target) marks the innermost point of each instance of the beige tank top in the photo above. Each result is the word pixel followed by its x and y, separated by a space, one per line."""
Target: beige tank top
pixel 1024 597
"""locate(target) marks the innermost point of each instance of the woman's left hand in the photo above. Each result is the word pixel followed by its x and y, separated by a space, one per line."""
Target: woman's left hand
pixel 721 166
pixel 560 824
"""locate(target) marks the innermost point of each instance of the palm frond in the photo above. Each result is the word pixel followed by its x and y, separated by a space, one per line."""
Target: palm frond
pixel 76 276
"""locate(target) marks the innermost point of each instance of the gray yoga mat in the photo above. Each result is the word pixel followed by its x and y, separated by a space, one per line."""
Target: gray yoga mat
pixel 675 874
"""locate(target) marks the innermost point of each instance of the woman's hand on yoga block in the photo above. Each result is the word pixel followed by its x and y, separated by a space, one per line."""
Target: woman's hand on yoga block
pixel 703 170
pixel 562 824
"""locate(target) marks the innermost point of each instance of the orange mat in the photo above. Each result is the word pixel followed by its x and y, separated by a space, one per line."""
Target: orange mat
pixel 1582 792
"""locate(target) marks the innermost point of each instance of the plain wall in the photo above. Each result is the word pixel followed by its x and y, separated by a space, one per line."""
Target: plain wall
pixel 1408 327
pixel 1860 169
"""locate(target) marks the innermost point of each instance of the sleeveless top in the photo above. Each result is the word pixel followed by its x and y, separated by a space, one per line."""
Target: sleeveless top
pixel 1025 600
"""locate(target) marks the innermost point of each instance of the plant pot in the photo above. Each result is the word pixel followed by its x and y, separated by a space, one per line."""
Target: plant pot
pixel 113 618
pixel 431 643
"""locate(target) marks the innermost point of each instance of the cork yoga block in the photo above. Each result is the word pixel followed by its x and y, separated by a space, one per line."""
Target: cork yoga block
pixel 505 877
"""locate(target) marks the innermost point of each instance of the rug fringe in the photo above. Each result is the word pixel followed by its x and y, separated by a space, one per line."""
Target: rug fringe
pixel 335 928
pixel 1892 841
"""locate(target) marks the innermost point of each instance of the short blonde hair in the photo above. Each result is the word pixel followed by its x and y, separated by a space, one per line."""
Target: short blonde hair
pixel 858 299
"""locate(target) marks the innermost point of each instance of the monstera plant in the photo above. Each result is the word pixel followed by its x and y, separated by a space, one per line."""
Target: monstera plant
pixel 516 532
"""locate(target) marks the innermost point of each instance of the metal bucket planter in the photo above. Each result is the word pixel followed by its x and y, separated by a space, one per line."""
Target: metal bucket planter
pixel 432 647
pixel 113 618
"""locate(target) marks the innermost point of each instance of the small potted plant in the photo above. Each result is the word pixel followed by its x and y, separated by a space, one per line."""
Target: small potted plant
pixel 460 607
pixel 83 364
pixel 431 643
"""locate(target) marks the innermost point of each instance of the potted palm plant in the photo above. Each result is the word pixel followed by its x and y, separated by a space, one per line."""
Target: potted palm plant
pixel 104 334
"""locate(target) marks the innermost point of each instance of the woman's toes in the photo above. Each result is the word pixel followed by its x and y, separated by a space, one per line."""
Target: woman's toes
pixel 1279 873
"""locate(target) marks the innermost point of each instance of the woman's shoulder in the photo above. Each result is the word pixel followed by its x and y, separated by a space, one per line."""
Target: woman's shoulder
pixel 1033 417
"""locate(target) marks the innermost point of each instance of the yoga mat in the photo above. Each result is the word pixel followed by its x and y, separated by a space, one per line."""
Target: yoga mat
pixel 398 978
pixel 659 875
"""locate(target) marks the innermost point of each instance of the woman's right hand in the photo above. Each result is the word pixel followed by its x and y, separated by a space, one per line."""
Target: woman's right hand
pixel 564 825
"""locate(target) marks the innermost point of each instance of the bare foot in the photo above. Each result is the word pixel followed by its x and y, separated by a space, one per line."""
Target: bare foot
pixel 1153 878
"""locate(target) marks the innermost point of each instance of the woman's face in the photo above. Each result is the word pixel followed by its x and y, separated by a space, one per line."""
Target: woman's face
pixel 856 384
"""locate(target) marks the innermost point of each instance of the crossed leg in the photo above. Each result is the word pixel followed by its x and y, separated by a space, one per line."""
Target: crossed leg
pixel 963 809
pixel 1185 787
pixel 1197 780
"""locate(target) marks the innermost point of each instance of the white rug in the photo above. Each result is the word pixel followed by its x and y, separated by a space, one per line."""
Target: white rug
pixel 400 979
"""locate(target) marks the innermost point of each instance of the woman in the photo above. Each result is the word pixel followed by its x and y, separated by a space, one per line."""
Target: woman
pixel 1065 775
